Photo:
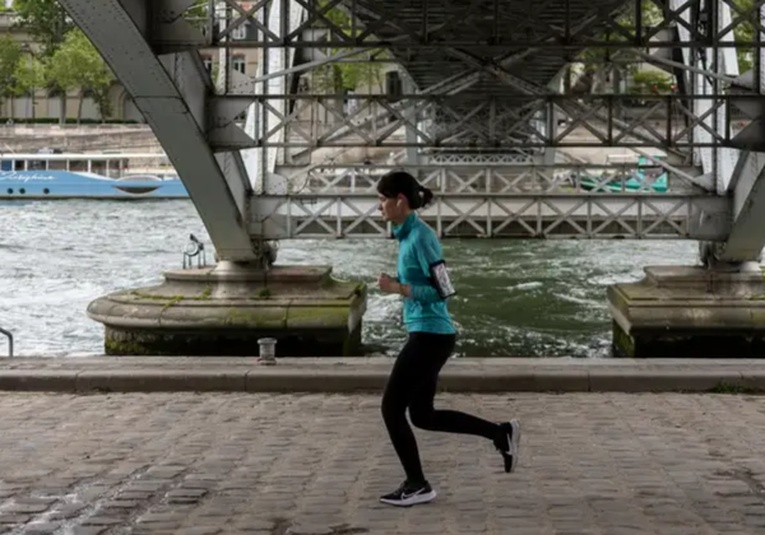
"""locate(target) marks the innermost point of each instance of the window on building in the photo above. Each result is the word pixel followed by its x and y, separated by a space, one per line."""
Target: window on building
pixel 238 64
pixel 240 32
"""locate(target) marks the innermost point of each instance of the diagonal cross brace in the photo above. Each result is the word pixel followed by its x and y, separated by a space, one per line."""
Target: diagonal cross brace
pixel 747 235
pixel 171 92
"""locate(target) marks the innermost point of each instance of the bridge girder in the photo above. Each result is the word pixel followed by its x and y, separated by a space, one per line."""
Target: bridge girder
pixel 478 86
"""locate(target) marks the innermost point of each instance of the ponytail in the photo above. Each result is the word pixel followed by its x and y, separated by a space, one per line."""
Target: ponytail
pixel 426 196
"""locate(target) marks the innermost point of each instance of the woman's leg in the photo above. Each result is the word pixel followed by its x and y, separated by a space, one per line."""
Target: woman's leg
pixel 434 353
pixel 406 374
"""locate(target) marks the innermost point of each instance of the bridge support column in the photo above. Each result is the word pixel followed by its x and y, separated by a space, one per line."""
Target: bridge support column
pixel 712 310
pixel 684 311
pixel 226 309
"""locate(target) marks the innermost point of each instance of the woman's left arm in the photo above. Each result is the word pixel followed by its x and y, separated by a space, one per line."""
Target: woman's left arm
pixel 430 257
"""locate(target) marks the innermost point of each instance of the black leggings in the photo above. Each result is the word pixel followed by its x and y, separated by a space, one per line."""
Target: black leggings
pixel 412 384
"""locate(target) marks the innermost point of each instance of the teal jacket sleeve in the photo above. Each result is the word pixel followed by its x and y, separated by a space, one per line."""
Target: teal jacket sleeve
pixel 428 252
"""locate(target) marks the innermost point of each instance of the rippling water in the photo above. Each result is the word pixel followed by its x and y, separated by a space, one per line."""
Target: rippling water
pixel 517 298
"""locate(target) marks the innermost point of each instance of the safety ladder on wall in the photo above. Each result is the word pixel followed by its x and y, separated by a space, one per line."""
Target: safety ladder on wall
pixel 9 334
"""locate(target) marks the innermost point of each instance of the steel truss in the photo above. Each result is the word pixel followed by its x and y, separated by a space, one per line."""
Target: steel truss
pixel 665 121
pixel 499 215
pixel 514 157
pixel 453 113
pixel 504 179
pixel 483 76
pixel 502 200
pixel 498 25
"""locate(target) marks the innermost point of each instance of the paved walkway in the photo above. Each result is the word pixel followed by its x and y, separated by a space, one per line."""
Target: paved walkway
pixel 314 464
pixel 244 374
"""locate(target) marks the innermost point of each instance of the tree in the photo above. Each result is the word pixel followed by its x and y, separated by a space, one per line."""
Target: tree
pixel 78 65
pixel 652 15
pixel 30 76
pixel 46 20
pixel 10 57
pixel 48 23
pixel 744 31
pixel 362 71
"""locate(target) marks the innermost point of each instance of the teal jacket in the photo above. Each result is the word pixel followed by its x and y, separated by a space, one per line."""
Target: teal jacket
pixel 419 251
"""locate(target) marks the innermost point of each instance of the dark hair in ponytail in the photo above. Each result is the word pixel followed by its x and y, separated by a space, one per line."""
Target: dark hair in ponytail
pixel 401 182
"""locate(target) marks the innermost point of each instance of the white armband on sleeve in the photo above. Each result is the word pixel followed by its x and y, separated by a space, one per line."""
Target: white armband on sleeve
pixel 441 280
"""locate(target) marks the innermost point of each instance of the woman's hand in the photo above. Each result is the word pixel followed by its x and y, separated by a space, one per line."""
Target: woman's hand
pixel 388 284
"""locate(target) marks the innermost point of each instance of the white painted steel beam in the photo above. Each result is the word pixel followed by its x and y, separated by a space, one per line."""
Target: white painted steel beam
pixel 594 216
pixel 746 181
pixel 171 93
pixel 747 236
pixel 719 161
pixel 171 32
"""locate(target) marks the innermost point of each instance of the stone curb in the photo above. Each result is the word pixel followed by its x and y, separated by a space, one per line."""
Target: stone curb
pixel 288 380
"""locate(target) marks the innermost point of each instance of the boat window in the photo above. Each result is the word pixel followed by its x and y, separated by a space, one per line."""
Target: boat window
pixel 78 166
pixel 18 165
pixel 6 165
pixel 98 167
pixel 112 169
pixel 57 165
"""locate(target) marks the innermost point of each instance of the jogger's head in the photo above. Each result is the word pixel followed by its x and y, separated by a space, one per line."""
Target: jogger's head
pixel 399 194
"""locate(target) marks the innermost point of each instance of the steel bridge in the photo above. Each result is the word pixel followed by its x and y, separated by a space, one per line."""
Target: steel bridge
pixel 514 111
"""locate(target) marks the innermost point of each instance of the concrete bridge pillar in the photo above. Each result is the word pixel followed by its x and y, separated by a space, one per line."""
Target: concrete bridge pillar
pixel 715 309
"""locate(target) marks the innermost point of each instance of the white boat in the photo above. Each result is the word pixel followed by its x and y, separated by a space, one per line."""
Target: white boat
pixel 89 176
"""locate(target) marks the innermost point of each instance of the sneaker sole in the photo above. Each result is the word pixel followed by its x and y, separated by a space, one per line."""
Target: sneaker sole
pixel 413 500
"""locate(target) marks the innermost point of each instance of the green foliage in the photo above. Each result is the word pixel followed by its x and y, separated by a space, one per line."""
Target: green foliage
pixel 651 82
pixel 78 65
pixel 10 58
pixel 31 74
pixel 745 32
pixel 652 15
pixel 197 14
pixel 332 77
pixel 198 9
pixel 46 20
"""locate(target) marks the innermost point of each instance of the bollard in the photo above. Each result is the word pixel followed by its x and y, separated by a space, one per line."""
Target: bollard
pixel 267 351
pixel 9 334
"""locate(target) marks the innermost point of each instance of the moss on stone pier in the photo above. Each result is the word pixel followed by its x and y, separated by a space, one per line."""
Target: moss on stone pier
pixel 624 345
pixel 225 313
pixel 114 346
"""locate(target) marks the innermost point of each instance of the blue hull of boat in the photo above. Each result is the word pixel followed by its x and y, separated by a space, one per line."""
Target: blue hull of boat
pixel 69 185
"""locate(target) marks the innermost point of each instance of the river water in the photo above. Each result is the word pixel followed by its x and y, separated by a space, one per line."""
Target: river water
pixel 516 298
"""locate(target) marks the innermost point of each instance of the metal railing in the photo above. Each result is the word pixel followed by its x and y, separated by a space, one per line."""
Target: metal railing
pixel 9 334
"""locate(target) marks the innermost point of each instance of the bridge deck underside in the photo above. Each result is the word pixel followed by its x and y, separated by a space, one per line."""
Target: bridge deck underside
pixel 494 69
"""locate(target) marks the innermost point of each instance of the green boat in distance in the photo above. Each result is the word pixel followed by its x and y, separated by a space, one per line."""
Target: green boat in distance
pixel 646 176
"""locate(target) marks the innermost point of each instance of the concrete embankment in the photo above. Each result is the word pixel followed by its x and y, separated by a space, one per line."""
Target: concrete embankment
pixel 343 375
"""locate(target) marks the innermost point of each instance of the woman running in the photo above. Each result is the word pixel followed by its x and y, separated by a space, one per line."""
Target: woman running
pixel 424 283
